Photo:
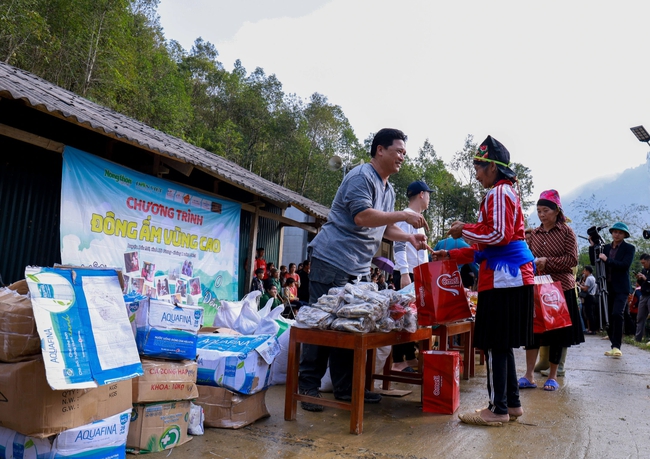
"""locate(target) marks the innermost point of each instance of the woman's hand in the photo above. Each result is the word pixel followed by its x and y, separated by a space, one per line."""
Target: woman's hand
pixel 440 254
pixel 456 230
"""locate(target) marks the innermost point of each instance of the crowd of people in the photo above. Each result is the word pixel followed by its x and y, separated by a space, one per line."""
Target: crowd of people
pixel 289 287
pixel 497 256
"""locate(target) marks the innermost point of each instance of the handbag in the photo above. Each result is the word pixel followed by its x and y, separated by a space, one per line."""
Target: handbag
pixel 440 295
pixel 551 311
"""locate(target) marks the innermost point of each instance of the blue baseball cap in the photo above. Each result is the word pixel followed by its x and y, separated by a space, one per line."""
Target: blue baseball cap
pixel 416 188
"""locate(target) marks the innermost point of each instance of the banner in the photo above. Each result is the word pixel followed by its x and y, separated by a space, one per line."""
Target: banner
pixel 169 240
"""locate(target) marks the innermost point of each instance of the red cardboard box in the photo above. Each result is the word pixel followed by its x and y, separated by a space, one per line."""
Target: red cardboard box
pixel 441 385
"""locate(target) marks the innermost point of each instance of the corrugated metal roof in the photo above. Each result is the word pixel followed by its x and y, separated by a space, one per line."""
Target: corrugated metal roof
pixel 19 84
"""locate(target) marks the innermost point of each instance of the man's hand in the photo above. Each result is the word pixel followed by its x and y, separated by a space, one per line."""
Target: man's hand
pixel 603 257
pixel 641 277
pixel 541 263
pixel 419 241
pixel 456 230
pixel 405 280
pixel 417 221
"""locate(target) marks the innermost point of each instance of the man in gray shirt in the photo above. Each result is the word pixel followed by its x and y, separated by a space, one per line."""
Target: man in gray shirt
pixel 362 214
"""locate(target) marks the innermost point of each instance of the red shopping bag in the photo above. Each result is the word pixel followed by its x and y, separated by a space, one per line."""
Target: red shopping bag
pixel 551 310
pixel 440 295
pixel 441 382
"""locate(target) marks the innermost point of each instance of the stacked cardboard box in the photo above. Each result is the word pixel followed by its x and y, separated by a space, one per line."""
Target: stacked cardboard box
pixel 166 336
pixel 35 419
pixel 233 377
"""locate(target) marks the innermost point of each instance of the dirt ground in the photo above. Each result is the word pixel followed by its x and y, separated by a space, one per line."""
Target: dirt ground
pixel 601 410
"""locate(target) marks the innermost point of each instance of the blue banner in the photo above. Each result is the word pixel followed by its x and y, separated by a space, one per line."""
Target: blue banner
pixel 169 240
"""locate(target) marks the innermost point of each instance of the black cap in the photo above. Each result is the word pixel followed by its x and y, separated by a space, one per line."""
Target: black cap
pixel 494 151
pixel 416 188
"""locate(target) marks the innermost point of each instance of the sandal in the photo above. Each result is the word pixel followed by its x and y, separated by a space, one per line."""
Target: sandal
pixel 551 385
pixel 475 419
pixel 511 417
pixel 524 383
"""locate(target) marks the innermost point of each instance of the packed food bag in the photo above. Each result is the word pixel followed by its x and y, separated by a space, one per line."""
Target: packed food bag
pixel 360 308
pixel 313 317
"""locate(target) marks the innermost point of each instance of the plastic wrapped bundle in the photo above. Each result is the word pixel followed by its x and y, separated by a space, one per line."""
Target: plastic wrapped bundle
pixel 373 311
pixel 328 303
pixel 359 325
pixel 309 317
pixel 385 325
pixel 408 321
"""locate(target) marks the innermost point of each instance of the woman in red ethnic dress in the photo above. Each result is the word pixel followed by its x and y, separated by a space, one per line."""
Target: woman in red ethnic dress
pixel 504 314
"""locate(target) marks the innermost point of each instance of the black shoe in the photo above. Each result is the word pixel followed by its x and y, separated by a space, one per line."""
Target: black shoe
pixel 311 406
pixel 368 397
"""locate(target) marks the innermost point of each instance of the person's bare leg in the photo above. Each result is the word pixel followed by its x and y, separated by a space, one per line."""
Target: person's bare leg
pixel 531 358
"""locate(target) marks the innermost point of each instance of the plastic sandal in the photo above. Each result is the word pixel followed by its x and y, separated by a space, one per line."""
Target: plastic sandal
pixel 524 383
pixel 551 385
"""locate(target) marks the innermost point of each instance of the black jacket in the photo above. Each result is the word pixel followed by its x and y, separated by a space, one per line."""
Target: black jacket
pixel 645 286
pixel 618 268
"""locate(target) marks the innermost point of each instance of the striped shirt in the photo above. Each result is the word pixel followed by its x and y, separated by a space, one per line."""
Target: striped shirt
pixel 560 248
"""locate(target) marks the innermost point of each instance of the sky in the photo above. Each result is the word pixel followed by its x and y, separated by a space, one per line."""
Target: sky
pixel 559 83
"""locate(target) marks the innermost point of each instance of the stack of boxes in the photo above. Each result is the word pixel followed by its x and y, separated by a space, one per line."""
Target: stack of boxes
pixel 166 336
pixel 233 375
pixel 37 421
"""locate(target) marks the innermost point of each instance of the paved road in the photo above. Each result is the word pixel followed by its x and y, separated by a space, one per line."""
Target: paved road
pixel 602 410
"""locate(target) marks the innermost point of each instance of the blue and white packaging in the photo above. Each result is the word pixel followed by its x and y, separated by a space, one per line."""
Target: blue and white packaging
pixel 105 439
pixel 14 445
pixel 133 301
pixel 237 362
pixel 168 331
pixel 86 337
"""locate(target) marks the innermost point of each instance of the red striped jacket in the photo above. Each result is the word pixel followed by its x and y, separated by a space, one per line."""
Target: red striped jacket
pixel 500 222
pixel 560 247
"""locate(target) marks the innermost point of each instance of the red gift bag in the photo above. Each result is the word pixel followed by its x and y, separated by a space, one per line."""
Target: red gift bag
pixel 440 293
pixel 551 310
pixel 441 382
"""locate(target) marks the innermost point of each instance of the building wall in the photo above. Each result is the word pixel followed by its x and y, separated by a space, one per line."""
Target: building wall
pixel 30 206
pixel 294 249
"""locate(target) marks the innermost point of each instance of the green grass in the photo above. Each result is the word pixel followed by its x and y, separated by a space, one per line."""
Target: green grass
pixel 629 339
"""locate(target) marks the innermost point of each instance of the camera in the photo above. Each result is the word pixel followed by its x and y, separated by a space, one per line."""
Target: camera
pixel 646 234
pixel 595 237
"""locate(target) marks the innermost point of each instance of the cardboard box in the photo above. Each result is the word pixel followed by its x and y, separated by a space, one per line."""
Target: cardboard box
pixel 28 405
pixel 158 426
pixel 104 439
pixel 167 331
pixel 19 338
pixel 441 385
pixel 165 380
pixel 228 410
pixel 239 363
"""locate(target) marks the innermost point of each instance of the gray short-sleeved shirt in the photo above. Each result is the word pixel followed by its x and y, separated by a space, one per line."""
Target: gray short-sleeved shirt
pixel 340 241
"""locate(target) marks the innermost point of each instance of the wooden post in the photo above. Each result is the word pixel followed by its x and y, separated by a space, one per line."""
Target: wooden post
pixel 252 245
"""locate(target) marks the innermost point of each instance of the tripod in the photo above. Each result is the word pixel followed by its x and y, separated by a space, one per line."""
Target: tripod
pixel 601 282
